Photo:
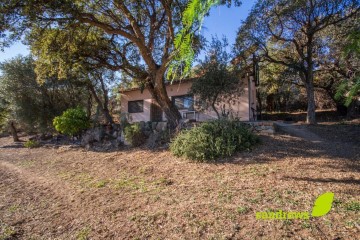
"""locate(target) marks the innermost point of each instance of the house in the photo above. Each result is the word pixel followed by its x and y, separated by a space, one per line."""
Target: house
pixel 139 106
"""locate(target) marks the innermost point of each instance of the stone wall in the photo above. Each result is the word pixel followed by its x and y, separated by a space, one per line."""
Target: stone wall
pixel 266 127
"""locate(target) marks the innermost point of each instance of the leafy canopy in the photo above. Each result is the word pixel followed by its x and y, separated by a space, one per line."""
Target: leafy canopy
pixel 351 87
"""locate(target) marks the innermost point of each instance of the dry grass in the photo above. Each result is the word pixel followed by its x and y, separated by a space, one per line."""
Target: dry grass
pixel 63 193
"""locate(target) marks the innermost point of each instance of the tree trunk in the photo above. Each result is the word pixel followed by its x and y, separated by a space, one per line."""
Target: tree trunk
pixel 103 106
pixel 89 106
pixel 215 110
pixel 309 81
pixel 14 132
pixel 259 104
pixel 171 112
pixel 107 115
pixel 311 117
pixel 158 92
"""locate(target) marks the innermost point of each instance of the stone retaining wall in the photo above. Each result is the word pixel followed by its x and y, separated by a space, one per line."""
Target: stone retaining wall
pixel 266 127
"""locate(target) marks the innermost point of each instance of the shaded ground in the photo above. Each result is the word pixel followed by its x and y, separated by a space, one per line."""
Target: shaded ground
pixel 70 193
pixel 321 116
pixel 338 132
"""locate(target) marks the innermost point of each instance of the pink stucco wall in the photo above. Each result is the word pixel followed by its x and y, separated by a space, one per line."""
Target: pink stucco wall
pixel 239 105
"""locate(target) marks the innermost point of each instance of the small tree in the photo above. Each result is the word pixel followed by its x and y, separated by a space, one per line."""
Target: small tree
pixel 216 78
pixel 72 121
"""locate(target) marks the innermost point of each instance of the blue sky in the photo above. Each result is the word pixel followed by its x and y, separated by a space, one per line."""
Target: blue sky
pixel 226 21
pixel 222 21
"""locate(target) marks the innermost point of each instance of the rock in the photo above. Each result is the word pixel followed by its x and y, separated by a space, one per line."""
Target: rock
pixel 183 123
pixel 148 125
pixel 107 146
pixel 67 148
pixel 92 135
pixel 152 141
pixel 161 126
pixel 116 143
pixel 142 124
pixel 116 127
pixel 33 138
pixel 157 140
pixel 115 134
pixel 153 125
pixel 45 137
pixel 147 133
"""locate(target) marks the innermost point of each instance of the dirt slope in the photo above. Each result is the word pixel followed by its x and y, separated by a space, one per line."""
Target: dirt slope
pixel 69 193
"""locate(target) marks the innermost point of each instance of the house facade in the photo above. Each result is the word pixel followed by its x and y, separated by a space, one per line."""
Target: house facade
pixel 140 106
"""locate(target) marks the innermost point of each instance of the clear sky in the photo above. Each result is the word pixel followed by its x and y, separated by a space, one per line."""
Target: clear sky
pixel 222 21
pixel 226 21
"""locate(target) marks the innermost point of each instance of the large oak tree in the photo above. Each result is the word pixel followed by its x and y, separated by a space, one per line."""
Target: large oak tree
pixel 143 37
pixel 139 34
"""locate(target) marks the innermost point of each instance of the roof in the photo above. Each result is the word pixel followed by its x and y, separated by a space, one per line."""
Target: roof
pixel 166 83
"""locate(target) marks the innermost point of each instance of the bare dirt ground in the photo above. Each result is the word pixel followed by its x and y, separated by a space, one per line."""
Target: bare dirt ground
pixel 71 193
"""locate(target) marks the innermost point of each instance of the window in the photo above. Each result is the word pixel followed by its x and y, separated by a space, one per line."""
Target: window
pixel 136 106
pixel 184 102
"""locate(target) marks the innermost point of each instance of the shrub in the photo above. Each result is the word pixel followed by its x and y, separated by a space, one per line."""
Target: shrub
pixel 72 121
pixel 212 140
pixel 31 144
pixel 134 135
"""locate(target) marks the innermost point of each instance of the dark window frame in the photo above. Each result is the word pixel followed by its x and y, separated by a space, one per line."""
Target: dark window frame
pixel 132 110
pixel 173 99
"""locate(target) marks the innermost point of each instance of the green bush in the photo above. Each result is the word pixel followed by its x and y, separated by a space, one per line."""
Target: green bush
pixel 212 140
pixel 31 144
pixel 72 121
pixel 134 135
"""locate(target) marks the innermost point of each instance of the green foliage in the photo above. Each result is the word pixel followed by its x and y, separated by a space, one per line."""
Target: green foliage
pixel 353 44
pixel 19 92
pixel 279 88
pixel 134 134
pixel 192 19
pixel 31 144
pixel 212 140
pixel 353 206
pixel 7 232
pixel 72 121
pixel 31 104
pixel 184 55
pixel 350 87
pixel 83 234
pixel 4 114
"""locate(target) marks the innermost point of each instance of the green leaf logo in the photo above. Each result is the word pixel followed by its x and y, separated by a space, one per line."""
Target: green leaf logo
pixel 322 204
